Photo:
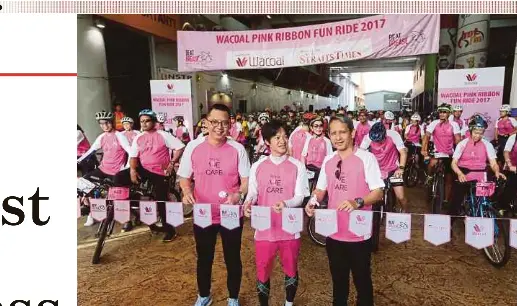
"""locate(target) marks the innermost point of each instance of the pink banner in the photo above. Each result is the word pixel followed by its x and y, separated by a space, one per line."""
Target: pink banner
pixel 479 91
pixel 380 36
pixel 172 98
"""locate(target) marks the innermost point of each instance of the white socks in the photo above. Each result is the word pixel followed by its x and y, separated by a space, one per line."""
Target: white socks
pixel 288 303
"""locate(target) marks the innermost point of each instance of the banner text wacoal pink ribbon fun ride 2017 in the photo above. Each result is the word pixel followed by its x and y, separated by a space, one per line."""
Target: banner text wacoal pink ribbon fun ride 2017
pixel 383 36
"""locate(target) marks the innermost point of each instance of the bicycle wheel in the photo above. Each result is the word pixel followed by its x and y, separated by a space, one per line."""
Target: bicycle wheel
pixel 391 201
pixel 411 176
pixel 439 194
pixel 315 237
pixel 376 226
pixel 103 233
pixel 499 253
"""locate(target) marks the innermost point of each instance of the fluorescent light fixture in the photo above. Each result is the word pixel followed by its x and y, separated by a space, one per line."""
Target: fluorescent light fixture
pixel 268 16
pixel 99 23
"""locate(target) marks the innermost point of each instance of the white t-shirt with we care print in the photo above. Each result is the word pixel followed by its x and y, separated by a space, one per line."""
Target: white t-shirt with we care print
pixel 215 169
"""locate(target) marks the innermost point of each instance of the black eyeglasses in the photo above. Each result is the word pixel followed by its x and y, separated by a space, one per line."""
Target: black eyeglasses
pixel 338 170
pixel 145 120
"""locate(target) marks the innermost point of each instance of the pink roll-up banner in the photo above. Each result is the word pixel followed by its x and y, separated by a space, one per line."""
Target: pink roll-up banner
pixel 122 211
pixel 380 36
pixel 172 98
pixel 98 209
pixel 479 91
pixel 148 212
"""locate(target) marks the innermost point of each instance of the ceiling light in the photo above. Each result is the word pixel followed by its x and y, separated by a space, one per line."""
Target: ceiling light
pixel 99 23
pixel 268 16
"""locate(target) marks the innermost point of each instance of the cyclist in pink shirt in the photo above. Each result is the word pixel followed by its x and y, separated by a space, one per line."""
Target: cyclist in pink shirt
pixel 469 161
pixel 297 139
pixel 510 157
pixel 181 132
pixel 83 145
pixel 277 181
pixel 391 154
pixel 316 147
pixel 445 134
pixel 115 148
pixel 130 134
pixel 362 127
pixel 150 158
pixel 389 120
pixel 505 126
pixel 457 111
pixel 220 168
pixel 352 179
pixel 413 134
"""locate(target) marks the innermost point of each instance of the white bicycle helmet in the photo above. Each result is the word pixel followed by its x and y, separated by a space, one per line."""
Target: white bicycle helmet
pixel 160 118
pixel 389 115
pixel 457 108
pixel 263 116
pixel 505 108
pixel 127 119
pixel 103 116
pixel 416 117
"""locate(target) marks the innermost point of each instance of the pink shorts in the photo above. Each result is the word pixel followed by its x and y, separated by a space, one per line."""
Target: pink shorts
pixel 265 253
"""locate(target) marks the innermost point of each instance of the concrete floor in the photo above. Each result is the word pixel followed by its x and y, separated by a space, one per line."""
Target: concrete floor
pixel 138 269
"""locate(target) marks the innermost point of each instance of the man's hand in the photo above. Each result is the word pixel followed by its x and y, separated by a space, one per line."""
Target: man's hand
pixel 309 209
pixel 247 209
pixel 135 178
pixel 278 206
pixel 513 169
pixel 188 197
pixel 233 198
pixel 399 173
pixel 500 176
pixel 348 206
pixel 461 177
pixel 424 153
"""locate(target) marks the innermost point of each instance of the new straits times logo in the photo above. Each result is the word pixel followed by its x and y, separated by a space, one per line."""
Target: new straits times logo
pixel 11 208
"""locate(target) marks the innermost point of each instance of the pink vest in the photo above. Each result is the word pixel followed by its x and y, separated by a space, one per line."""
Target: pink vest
pixel 114 156
pixel 275 183
pixel 215 169
pixel 298 139
pixel 386 154
pixel 443 137
pixel 153 153
pixel 83 146
pixel 504 126
pixel 474 157
pixel 316 152
pixel 130 135
pixel 361 131
pixel 350 185
pixel 414 134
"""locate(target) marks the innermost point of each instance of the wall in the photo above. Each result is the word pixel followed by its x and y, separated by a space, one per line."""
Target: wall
pixel 258 99
pixel 93 92
pixel 374 101
pixel 378 101
pixel 165 54
pixel 419 77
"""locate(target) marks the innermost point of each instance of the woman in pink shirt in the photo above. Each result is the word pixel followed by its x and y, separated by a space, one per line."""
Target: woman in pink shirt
pixel 181 132
pixel 297 139
pixel 130 134
pixel 362 127
pixel 469 161
pixel 352 179
pixel 316 147
pixel 277 181
pixel 505 126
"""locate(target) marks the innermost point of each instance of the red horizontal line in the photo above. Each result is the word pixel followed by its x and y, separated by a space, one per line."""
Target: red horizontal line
pixel 37 74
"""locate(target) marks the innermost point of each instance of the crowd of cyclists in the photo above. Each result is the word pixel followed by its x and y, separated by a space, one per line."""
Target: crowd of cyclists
pixel 238 158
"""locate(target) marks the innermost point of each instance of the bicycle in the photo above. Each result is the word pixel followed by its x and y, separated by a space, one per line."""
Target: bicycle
pixel 412 172
pixel 389 204
pixel 437 187
pixel 483 207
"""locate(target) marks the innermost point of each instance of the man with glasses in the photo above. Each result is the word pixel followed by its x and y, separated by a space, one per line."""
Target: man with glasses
pixel 220 168
pixel 446 134
pixel 115 148
pixel 150 158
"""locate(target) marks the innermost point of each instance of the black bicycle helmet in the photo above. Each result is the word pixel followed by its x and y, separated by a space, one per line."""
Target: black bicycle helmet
pixel 477 122
pixel 377 132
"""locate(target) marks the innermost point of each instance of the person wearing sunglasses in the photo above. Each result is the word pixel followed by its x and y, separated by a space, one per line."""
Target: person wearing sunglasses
pixel 316 147
pixel 388 148
pixel 203 128
pixel 277 181
pixel 220 168
pixel 150 158
pixel 445 135
pixel 115 148
pixel 352 179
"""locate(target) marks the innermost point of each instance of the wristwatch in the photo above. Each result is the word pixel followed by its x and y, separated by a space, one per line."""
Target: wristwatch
pixel 242 197
pixel 402 167
pixel 360 202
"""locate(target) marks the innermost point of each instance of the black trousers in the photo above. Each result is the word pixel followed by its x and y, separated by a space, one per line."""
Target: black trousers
pixel 510 190
pixel 205 248
pixel 350 256
pixel 161 187
pixel 97 176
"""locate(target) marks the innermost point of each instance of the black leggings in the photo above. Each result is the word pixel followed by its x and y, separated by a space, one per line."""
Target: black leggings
pixel 97 176
pixel 161 187
pixel 350 256
pixel 206 239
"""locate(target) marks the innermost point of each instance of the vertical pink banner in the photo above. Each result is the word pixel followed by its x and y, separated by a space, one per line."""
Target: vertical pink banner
pixel 173 98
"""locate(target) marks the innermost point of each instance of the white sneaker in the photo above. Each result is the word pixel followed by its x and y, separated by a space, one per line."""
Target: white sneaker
pixel 233 302
pixel 288 303
pixel 204 301
pixel 89 221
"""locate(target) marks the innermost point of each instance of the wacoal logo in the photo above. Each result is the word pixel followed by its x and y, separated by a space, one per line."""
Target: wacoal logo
pixel 170 86
pixel 471 77
pixel 241 61
pixel 148 209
